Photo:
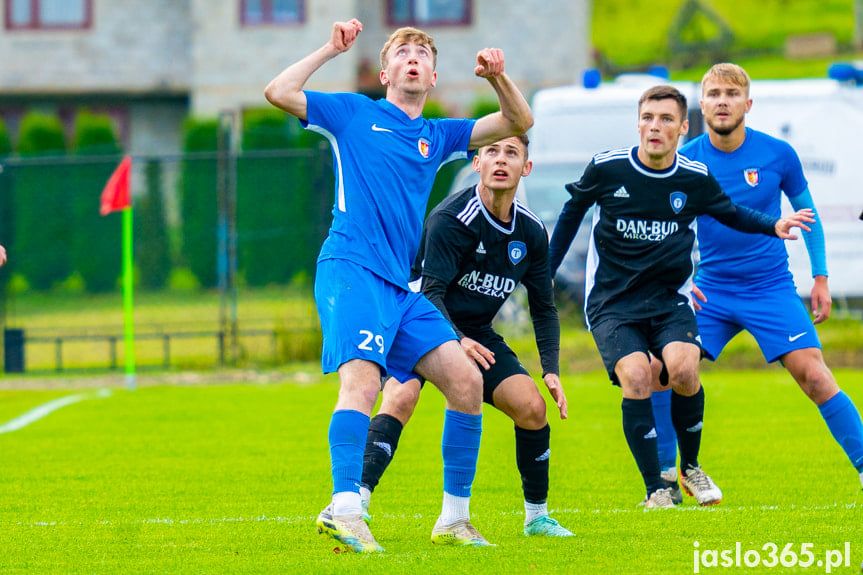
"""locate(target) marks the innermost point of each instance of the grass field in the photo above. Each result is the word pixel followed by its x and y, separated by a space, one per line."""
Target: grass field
pixel 229 478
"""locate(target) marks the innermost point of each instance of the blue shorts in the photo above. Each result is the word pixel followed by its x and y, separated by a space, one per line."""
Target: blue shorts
pixel 366 317
pixel 774 315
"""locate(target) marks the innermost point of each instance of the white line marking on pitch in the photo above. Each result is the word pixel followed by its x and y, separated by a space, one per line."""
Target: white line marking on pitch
pixel 308 519
pixel 45 409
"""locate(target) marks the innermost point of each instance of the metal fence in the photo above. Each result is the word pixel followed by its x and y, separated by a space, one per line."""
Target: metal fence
pixel 266 216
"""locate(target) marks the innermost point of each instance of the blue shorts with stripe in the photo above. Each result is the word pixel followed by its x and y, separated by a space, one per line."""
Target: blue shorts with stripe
pixel 366 317
pixel 774 314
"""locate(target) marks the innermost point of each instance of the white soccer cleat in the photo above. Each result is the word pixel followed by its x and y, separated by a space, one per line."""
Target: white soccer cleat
pixel 699 485
pixel 458 533
pixel 659 499
pixel 350 530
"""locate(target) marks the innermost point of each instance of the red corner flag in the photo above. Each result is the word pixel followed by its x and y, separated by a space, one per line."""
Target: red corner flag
pixel 116 196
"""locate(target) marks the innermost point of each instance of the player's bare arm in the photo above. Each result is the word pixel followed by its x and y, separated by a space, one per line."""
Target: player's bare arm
pixel 514 118
pixel 821 301
pixel 2 256
pixel 796 220
pixel 285 91
pixel 555 388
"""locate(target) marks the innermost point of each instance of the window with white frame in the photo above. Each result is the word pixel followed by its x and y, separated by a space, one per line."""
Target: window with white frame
pixel 278 12
pixel 48 14
pixel 428 12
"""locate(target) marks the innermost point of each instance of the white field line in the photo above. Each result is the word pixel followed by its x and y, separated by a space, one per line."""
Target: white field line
pixel 311 519
pixel 45 409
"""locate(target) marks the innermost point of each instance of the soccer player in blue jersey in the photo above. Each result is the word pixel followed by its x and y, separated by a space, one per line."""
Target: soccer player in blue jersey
pixel 385 157
pixel 744 279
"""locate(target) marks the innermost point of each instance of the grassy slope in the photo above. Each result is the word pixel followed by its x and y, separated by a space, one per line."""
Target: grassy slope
pixel 634 32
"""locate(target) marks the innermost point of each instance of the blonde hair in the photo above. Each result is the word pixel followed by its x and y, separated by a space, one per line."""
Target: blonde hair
pixel 408 35
pixel 727 72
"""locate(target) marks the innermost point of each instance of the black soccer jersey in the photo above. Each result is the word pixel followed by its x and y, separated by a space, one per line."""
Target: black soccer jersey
pixel 470 263
pixel 641 245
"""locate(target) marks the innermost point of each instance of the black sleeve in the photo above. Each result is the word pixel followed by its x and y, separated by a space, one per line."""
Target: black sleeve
pixel 435 291
pixel 570 217
pixel 735 216
pixel 747 220
pixel 543 313
pixel 446 240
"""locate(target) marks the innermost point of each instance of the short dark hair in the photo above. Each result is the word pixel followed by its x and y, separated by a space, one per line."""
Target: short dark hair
pixel 521 138
pixel 665 92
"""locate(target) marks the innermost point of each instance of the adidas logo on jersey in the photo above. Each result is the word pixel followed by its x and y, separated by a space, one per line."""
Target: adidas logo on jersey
pixel 650 434
pixel 480 249
pixel 621 193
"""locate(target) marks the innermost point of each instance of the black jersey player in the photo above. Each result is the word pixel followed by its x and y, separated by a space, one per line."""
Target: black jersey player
pixel 477 246
pixel 639 275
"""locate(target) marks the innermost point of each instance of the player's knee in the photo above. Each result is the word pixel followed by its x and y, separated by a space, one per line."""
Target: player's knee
pixel 684 376
pixel 532 414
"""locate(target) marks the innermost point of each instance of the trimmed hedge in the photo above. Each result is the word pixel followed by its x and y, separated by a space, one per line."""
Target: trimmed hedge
pixel 273 221
pixel 96 241
pixel 152 248
pixel 41 196
pixel 7 218
pixel 199 200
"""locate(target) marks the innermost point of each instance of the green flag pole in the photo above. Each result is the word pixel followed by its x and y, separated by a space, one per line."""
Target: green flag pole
pixel 128 314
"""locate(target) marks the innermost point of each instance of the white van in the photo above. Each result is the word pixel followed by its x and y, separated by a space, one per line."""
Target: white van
pixel 821 118
pixel 823 121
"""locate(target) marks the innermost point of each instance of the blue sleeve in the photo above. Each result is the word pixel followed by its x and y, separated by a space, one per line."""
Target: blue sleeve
pixel 330 111
pixel 457 133
pixel 815 238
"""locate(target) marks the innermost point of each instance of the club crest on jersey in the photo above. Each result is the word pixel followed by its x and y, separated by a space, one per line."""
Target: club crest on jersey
pixel 517 251
pixel 752 176
pixel 678 200
pixel 423 146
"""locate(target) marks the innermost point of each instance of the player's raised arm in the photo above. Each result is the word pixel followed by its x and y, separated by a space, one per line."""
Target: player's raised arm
pixel 285 91
pixel 514 117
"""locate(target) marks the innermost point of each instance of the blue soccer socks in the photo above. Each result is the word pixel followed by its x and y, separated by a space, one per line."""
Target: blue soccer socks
pixel 844 423
pixel 666 438
pixel 347 436
pixel 460 449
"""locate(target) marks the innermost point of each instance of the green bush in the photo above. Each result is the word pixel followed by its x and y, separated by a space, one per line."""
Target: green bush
pixel 96 241
pixel 270 209
pixel 6 216
pixel 41 196
pixel 199 200
pixel 483 107
pixel 152 250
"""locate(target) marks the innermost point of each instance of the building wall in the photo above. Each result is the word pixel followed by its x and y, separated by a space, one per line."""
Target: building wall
pixel 545 43
pixel 133 46
pixel 168 57
pixel 231 64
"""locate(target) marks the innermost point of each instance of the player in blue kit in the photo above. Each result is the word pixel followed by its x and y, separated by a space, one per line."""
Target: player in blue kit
pixel 745 279
pixel 385 157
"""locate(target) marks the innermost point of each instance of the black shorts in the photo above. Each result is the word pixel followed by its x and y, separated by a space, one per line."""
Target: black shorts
pixel 505 364
pixel 617 337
